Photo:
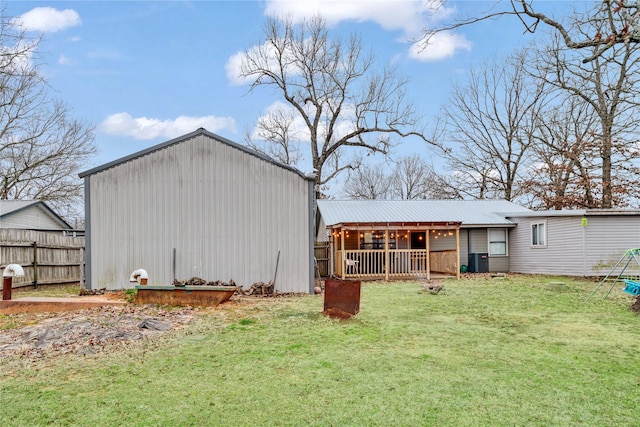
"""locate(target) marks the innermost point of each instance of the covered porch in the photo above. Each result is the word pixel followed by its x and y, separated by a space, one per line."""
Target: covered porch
pixel 395 250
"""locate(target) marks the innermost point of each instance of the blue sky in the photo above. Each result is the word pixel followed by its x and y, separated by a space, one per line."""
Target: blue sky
pixel 144 71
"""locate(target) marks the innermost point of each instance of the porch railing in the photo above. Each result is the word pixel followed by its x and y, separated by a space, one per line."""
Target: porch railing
pixel 401 263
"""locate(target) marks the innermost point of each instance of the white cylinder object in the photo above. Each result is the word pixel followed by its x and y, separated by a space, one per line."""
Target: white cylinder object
pixel 138 274
pixel 13 270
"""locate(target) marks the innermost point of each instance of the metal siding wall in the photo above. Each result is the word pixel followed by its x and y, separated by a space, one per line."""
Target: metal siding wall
pixel 563 254
pixel 226 212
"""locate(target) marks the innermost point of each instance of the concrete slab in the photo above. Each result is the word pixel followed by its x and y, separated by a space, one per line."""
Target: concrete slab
pixel 48 305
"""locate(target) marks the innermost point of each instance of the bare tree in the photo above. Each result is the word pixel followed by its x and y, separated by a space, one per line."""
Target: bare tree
pixel 610 23
pixel 367 183
pixel 608 86
pixel 488 128
pixel 411 178
pixel 345 104
pixel 414 178
pixel 41 148
pixel 564 168
pixel 276 136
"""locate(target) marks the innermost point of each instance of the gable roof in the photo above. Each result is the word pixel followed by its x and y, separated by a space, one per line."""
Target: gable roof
pixel 180 139
pixel 466 212
pixel 12 207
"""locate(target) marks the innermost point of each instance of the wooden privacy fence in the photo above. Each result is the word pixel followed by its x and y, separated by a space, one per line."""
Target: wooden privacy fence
pixel 47 258
pixel 321 255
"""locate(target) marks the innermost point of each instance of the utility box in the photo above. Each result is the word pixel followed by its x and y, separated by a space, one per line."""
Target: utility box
pixel 478 262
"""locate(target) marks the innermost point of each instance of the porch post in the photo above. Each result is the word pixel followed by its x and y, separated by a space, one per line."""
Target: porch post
pixel 428 263
pixel 332 255
pixel 343 255
pixel 386 255
pixel 458 252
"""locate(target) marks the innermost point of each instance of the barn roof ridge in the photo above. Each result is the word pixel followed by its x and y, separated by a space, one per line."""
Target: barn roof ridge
pixel 186 137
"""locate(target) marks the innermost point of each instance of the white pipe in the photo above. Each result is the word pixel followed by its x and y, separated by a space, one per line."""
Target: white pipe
pixel 138 274
pixel 13 270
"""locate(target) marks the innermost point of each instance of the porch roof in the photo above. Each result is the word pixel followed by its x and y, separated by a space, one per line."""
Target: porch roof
pixel 465 212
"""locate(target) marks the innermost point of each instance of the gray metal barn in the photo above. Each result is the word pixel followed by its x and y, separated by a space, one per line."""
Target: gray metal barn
pixel 199 206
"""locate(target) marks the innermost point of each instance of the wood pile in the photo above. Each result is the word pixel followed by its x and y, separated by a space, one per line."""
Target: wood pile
pixel 84 291
pixel 259 289
pixel 196 281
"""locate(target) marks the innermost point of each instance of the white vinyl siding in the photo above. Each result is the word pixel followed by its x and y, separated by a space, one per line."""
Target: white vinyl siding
pixel 573 249
pixel 34 217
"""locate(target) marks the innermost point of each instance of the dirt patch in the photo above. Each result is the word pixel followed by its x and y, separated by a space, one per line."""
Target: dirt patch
pixel 635 307
pixel 35 336
pixel 31 337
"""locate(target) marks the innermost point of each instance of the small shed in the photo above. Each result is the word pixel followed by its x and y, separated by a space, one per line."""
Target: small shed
pixel 200 206
pixel 31 215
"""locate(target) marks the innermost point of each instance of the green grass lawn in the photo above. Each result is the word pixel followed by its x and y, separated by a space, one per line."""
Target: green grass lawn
pixel 486 352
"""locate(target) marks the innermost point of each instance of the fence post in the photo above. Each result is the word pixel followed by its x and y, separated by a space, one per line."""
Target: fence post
pixel 81 267
pixel 35 265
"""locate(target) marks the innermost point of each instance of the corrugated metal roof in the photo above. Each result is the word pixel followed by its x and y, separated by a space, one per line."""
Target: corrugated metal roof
pixel 467 212
pixel 200 131
pixel 576 212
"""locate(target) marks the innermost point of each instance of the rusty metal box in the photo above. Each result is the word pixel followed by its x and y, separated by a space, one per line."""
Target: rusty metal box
pixel 343 295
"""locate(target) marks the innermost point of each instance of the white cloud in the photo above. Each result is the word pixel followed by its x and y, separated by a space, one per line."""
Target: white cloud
pixel 264 55
pixel 441 46
pixel 409 16
pixel 299 130
pixel 64 60
pixel 144 128
pixel 232 69
pixel 48 19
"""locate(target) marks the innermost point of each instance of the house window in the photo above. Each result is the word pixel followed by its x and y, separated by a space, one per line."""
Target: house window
pixel 539 234
pixel 372 240
pixel 498 242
